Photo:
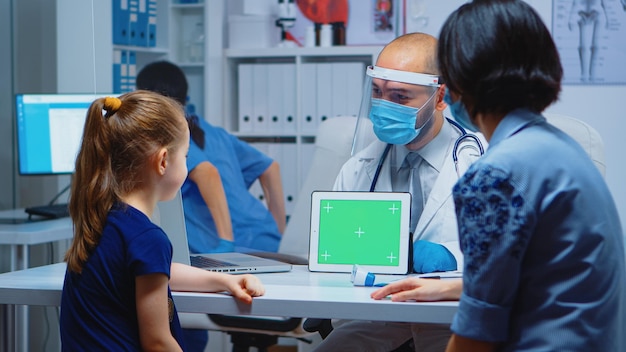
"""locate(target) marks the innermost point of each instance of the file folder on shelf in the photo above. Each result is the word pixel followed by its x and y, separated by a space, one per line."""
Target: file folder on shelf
pixel 117 71
pixel 121 22
pixel 260 104
pixel 133 22
pixel 142 24
pixel 255 189
pixel 124 71
pixel 275 98
pixel 132 71
pixel 354 92
pixel 306 158
pixel 285 154
pixel 289 98
pixel 347 88
pixel 152 23
pixel 244 97
pixel 124 74
pixel 308 99
pixel 339 88
pixel 324 91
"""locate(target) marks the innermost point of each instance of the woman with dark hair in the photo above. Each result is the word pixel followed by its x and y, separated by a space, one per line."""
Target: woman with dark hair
pixel 539 231
pixel 542 241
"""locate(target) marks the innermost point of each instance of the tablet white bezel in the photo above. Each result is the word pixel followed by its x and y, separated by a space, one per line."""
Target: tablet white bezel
pixel 403 197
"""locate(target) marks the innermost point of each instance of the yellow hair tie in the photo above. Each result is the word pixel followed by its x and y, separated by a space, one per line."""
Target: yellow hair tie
pixel 112 104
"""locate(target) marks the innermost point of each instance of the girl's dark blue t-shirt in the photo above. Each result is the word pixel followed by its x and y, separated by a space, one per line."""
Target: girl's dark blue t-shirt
pixel 98 310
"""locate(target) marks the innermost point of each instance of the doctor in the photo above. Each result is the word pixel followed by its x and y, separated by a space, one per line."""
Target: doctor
pixel 413 151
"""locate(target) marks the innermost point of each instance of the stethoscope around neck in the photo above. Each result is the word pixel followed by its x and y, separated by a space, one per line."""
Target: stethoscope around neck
pixel 455 156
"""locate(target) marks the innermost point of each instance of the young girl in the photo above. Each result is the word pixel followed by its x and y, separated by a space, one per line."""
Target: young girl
pixel 116 294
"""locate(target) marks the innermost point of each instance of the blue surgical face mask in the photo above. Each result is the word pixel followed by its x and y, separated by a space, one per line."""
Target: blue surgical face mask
pixel 459 112
pixel 394 123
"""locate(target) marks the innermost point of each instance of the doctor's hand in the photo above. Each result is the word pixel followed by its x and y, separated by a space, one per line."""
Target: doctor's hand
pixel 421 290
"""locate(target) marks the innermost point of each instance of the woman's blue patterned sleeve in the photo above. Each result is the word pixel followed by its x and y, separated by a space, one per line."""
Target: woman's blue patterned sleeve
pixel 495 225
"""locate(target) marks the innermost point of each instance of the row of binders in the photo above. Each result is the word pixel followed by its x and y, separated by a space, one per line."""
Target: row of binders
pixel 285 154
pixel 124 70
pixel 135 22
pixel 285 98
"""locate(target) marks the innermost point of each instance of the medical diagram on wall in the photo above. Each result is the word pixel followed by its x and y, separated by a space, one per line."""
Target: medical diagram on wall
pixel 590 36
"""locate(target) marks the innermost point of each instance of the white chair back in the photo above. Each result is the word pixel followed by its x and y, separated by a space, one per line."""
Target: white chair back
pixel 584 134
pixel 333 143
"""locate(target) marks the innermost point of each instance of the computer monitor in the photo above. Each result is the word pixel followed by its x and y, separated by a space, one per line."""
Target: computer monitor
pixel 49 131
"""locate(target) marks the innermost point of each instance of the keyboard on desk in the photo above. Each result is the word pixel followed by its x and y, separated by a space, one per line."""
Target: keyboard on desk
pixel 52 211
pixel 204 262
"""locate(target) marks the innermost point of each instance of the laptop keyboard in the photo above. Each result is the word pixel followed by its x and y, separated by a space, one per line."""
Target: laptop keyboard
pixel 204 262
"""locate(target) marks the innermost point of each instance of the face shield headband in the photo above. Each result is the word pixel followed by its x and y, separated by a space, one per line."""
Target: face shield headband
pixel 396 105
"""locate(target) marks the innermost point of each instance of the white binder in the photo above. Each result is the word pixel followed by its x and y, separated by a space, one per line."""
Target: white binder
pixel 324 91
pixel 354 91
pixel 339 87
pixel 260 103
pixel 287 156
pixel 255 189
pixel 306 158
pixel 245 97
pixel 275 98
pixel 308 98
pixel 289 98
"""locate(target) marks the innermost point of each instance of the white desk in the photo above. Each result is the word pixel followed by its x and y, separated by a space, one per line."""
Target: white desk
pixel 298 293
pixel 20 236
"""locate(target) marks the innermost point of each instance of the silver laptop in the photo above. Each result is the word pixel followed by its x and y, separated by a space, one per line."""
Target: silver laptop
pixel 170 216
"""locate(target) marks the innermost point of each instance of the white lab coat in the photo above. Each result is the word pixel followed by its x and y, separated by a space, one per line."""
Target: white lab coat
pixel 438 220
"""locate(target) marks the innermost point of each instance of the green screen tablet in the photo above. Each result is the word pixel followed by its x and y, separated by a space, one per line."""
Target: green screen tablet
pixel 366 228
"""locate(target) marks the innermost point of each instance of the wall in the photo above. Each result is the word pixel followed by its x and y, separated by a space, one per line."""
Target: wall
pixel 7 180
pixel 34 71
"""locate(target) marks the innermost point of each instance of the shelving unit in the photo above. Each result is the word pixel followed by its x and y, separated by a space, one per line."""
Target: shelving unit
pixel 176 23
pixel 309 84
pixel 185 51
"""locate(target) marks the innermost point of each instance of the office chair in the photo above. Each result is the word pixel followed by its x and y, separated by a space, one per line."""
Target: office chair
pixel 584 134
pixel 333 144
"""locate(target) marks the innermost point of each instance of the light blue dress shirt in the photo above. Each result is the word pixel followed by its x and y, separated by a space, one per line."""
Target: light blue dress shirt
pixel 239 165
pixel 542 242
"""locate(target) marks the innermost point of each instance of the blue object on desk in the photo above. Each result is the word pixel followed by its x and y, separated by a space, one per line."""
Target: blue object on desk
pixel 429 257
pixel 361 277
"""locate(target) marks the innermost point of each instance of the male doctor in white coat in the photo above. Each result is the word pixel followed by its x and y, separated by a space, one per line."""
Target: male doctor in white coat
pixel 413 152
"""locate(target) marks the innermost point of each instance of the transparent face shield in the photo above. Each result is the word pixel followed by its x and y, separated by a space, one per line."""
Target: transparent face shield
pixel 397 107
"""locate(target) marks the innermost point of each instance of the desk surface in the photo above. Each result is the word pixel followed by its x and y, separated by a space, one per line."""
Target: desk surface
pixel 299 293
pixel 35 232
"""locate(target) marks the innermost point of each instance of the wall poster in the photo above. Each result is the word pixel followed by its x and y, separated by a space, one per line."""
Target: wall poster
pixel 590 36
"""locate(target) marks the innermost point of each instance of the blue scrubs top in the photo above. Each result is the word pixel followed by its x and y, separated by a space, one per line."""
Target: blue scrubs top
pixel 542 242
pixel 98 307
pixel 239 165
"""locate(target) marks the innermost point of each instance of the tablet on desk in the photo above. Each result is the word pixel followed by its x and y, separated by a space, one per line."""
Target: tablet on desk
pixel 366 228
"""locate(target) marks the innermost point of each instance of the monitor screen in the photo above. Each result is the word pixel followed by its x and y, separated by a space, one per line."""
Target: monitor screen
pixel 49 131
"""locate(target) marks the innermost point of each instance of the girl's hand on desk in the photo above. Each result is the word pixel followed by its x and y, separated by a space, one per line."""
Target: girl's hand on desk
pixel 187 278
pixel 421 290
pixel 244 287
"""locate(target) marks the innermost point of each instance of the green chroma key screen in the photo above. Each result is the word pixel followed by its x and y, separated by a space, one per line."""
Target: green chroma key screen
pixel 359 232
